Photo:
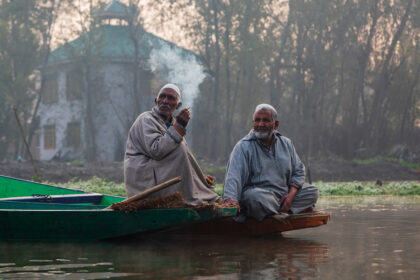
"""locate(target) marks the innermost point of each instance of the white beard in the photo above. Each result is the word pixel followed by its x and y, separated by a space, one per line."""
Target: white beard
pixel 263 135
pixel 163 113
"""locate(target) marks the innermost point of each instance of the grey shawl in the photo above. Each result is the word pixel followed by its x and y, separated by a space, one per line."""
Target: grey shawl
pixel 155 153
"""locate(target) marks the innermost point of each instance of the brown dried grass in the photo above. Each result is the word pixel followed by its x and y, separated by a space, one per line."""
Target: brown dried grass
pixel 174 200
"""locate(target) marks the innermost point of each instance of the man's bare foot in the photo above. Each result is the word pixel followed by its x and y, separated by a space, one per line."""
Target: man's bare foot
pixel 307 210
pixel 231 202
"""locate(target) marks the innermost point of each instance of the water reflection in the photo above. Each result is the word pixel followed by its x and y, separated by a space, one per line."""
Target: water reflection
pixel 370 238
pixel 169 257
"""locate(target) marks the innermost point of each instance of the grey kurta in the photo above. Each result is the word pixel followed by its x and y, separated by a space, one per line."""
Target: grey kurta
pixel 155 154
pixel 258 176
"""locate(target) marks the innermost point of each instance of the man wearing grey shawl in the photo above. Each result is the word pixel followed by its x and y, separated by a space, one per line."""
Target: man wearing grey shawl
pixel 156 152
pixel 264 174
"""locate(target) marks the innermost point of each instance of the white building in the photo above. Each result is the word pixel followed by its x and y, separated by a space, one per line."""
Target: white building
pixel 92 89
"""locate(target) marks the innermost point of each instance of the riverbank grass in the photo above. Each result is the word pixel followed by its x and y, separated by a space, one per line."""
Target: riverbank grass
pixel 97 185
pixel 368 188
pixel 362 188
pixel 100 185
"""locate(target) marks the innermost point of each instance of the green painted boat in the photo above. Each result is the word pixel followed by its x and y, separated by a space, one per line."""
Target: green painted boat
pixel 34 211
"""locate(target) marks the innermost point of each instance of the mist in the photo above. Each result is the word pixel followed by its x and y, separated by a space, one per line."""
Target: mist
pixel 344 76
pixel 176 67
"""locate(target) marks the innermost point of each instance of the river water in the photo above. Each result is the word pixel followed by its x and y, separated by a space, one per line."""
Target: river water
pixel 366 238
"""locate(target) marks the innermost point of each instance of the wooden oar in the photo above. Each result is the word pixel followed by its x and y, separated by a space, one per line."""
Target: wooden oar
pixel 151 190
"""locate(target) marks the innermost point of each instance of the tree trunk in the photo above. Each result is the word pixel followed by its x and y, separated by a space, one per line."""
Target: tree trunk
pixel 382 84
pixel 216 87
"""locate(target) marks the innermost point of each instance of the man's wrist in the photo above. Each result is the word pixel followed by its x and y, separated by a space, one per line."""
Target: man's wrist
pixel 181 131
pixel 292 193
pixel 294 185
pixel 183 127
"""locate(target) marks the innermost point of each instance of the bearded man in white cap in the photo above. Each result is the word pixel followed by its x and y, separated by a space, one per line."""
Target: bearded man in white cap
pixel 156 152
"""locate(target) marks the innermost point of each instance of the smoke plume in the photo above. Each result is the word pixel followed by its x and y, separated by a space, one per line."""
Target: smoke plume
pixel 176 65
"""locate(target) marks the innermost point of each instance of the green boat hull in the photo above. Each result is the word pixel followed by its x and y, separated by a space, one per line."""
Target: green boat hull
pixel 87 224
pixel 13 187
pixel 84 221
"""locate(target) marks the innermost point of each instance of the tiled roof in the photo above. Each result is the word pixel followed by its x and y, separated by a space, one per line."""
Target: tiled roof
pixel 109 41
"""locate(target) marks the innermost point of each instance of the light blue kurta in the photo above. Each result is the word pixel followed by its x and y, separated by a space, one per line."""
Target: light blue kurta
pixel 258 176
pixel 252 164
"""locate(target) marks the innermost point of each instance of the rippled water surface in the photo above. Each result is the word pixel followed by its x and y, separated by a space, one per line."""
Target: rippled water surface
pixel 366 238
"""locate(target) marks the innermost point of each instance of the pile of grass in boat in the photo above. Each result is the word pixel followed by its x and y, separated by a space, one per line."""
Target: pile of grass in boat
pixel 174 200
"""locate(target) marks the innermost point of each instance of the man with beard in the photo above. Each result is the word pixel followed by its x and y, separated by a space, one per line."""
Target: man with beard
pixel 264 174
pixel 156 152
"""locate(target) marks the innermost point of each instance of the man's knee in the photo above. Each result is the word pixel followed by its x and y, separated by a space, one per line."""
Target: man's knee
pixel 257 196
pixel 259 203
pixel 251 193
pixel 312 193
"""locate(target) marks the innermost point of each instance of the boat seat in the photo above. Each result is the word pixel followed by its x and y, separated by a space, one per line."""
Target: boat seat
pixel 66 199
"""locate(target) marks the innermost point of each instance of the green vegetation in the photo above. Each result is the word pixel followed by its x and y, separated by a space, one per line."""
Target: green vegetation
pixel 365 201
pixel 368 188
pixel 392 159
pixel 369 160
pixel 97 185
pixel 361 188
pixel 404 163
pixel 214 170
pixel 355 188
pixel 218 188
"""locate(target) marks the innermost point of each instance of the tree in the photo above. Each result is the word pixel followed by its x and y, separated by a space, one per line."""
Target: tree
pixel 17 61
pixel 26 32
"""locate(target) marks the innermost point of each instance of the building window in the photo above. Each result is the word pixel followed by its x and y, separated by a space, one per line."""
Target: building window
pixel 50 90
pixel 74 85
pixel 73 135
pixel 49 137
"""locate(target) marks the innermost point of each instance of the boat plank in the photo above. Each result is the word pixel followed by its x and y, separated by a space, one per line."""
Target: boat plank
pixel 94 198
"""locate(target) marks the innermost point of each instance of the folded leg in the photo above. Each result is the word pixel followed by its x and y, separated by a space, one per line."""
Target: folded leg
pixel 259 203
pixel 305 198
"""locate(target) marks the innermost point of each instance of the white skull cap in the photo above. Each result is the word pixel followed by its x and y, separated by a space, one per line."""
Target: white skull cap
pixel 171 86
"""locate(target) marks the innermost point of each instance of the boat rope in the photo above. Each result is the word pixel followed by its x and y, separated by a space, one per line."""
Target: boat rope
pixel 45 197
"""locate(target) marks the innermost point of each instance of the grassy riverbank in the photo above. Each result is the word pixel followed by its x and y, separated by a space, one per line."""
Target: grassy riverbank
pixel 356 188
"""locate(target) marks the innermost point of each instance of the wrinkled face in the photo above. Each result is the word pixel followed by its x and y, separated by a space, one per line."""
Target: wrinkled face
pixel 167 102
pixel 264 124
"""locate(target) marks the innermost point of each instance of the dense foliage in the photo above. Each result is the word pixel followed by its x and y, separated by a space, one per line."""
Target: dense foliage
pixel 25 43
pixel 343 74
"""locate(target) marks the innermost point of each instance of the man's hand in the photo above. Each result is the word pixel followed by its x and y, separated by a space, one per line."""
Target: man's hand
pixel 287 200
pixel 183 117
pixel 210 180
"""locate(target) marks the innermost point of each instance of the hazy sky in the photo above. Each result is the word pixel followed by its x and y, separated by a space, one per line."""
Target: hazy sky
pixel 69 23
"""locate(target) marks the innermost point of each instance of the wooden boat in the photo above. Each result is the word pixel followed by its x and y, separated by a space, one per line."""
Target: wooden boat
pixel 30 210
pixel 273 224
